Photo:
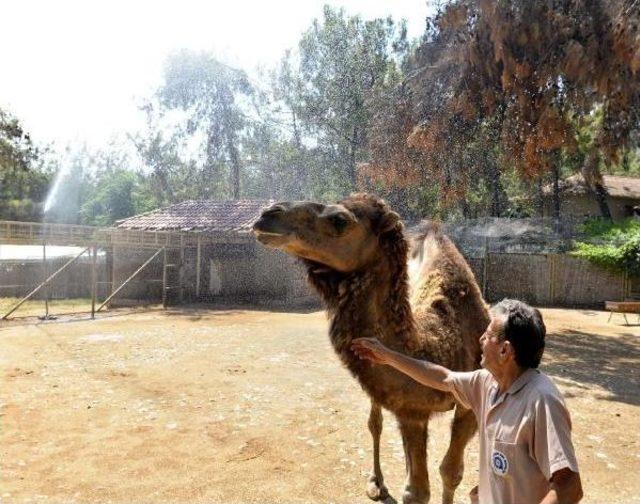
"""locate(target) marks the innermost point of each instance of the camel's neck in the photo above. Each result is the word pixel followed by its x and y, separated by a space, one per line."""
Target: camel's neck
pixel 372 302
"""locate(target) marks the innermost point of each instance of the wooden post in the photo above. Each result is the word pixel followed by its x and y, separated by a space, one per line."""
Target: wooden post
pixel 44 279
pixel 181 270
pixel 94 280
pixel 485 267
pixel 113 268
pixel 552 277
pixel 198 266
pixel 164 280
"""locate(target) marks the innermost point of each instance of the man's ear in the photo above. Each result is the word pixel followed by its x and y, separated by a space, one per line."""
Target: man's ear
pixel 507 348
pixel 388 221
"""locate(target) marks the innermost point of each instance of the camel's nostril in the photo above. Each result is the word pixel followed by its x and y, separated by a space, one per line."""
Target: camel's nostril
pixel 276 209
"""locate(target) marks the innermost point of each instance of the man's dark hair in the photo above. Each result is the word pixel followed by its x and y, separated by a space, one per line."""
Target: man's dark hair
pixel 524 329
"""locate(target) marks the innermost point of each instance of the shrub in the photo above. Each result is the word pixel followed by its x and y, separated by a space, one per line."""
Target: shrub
pixel 614 246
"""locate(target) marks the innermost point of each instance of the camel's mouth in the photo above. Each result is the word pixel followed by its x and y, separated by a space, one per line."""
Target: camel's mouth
pixel 269 238
pixel 269 233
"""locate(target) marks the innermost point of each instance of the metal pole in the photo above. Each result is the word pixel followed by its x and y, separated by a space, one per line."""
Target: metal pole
pixel 43 284
pixel 129 279
pixel 198 259
pixel 164 280
pixel 94 281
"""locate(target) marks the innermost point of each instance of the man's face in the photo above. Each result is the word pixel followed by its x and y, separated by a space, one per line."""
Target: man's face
pixel 494 349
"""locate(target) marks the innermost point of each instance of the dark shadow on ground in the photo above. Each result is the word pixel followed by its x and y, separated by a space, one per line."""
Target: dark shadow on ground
pixel 193 312
pixel 197 311
pixel 611 362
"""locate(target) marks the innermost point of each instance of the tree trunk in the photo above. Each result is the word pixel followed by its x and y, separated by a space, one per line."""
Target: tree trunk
pixel 498 195
pixel 352 158
pixel 235 171
pixel 593 178
pixel 601 197
pixel 540 197
pixel 556 190
pixel 465 208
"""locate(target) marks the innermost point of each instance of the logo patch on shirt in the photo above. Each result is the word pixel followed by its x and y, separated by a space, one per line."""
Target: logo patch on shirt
pixel 499 463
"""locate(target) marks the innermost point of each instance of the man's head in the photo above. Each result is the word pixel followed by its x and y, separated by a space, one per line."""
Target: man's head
pixel 515 336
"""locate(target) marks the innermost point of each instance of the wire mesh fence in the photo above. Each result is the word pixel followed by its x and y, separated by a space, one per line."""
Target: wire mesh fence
pixel 57 283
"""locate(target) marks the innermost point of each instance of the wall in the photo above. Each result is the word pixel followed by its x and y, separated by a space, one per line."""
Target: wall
pixel 550 280
pixel 246 272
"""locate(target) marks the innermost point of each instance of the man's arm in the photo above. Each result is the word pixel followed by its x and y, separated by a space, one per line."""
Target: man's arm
pixel 425 372
pixel 566 488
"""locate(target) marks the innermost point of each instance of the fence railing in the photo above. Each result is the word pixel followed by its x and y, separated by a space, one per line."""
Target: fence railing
pixel 13 232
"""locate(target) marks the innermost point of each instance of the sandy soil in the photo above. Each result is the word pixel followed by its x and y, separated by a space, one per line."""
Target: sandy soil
pixel 250 406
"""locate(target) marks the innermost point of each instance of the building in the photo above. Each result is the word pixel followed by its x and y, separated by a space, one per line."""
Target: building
pixel 578 201
pixel 217 258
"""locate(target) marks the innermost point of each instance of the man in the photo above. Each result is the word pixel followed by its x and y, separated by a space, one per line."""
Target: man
pixel 526 454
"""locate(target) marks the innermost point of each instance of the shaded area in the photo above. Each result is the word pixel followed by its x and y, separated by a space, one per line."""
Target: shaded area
pixel 612 363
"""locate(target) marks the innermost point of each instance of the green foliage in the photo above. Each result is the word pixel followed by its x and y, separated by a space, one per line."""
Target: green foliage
pixel 24 172
pixel 343 62
pixel 213 98
pixel 111 198
pixel 614 246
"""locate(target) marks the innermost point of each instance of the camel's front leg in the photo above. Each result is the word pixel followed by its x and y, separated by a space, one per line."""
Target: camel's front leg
pixel 414 439
pixel 463 428
pixel 375 486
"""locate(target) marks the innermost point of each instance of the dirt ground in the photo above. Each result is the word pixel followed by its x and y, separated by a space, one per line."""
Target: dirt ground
pixel 240 406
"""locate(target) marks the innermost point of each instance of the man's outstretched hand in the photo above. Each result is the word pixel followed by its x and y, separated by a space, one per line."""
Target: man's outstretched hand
pixel 370 349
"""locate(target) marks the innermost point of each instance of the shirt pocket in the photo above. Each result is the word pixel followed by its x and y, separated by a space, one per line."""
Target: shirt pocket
pixel 506 458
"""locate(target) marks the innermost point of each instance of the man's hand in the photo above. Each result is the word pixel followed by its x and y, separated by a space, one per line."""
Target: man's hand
pixel 371 349
pixel 566 488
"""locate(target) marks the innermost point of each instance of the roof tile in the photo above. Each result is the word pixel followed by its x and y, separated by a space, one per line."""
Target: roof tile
pixel 205 215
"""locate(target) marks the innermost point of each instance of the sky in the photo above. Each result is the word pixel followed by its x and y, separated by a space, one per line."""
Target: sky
pixel 75 71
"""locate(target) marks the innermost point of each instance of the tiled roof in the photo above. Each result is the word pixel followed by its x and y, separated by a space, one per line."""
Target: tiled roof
pixel 618 187
pixel 212 216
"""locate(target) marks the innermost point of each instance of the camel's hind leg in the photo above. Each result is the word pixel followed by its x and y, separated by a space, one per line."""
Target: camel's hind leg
pixel 375 486
pixel 414 439
pixel 463 428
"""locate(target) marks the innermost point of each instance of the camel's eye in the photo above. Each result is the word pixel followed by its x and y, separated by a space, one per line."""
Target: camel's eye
pixel 339 222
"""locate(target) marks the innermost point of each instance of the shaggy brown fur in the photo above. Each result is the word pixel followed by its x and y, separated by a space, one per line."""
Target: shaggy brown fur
pixel 360 270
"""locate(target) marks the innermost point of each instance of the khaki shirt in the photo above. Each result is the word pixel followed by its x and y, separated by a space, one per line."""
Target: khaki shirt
pixel 525 435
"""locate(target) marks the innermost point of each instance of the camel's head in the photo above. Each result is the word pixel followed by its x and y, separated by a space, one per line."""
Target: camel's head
pixel 343 236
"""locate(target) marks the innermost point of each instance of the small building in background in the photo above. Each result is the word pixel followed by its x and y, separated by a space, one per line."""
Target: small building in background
pixel 577 200
pixel 220 261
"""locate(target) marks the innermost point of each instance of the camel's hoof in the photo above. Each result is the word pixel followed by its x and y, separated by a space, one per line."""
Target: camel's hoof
pixel 414 496
pixel 376 491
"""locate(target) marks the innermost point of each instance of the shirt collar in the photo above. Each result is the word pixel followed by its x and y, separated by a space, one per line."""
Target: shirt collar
pixel 522 380
pixel 515 387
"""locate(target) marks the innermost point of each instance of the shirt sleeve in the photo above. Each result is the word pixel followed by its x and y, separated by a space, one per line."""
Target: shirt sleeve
pixel 469 388
pixel 552 446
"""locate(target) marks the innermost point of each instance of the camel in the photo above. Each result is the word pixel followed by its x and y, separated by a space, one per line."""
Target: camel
pixel 356 255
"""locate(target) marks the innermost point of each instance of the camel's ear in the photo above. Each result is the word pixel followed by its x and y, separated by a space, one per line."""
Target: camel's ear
pixel 388 221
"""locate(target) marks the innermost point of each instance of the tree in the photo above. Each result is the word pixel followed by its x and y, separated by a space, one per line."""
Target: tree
pixel 212 95
pixel 535 70
pixel 24 172
pixel 343 61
